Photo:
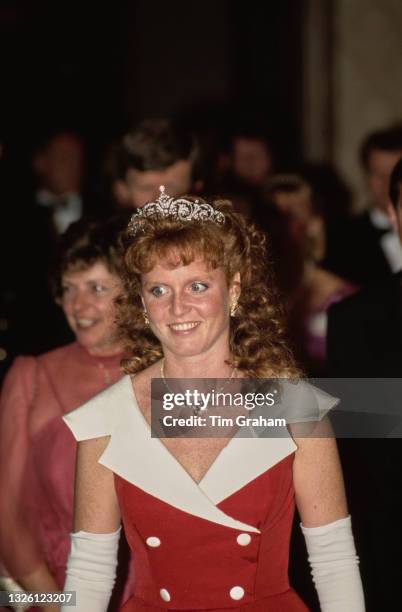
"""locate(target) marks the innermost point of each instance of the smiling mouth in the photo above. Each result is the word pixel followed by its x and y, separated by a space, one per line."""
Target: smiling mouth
pixel 85 323
pixel 182 327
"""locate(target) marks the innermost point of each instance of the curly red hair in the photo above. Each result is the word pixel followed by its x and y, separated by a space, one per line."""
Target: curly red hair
pixel 257 334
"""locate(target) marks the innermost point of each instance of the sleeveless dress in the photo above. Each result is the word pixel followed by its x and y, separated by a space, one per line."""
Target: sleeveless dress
pixel 220 544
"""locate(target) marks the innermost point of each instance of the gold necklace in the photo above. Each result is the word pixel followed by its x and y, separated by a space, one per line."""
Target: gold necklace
pixel 196 410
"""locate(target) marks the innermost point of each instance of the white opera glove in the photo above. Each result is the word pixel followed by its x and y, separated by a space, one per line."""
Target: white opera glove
pixel 11 586
pixel 91 570
pixel 335 566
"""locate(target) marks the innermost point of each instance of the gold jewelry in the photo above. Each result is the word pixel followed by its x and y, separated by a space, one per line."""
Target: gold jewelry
pixel 233 309
pixel 145 315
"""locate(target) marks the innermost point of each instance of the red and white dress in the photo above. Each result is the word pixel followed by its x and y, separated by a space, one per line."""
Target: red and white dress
pixel 220 544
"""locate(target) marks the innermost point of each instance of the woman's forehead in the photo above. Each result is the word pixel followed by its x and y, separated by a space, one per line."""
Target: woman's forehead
pixel 184 251
pixel 176 268
pixel 84 270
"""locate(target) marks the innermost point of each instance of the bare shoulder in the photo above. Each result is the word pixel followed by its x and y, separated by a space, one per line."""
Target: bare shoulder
pixel 142 383
pixel 91 450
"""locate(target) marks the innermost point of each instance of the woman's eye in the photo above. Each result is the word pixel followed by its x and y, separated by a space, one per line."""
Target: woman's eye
pixel 65 290
pixel 99 288
pixel 158 291
pixel 199 287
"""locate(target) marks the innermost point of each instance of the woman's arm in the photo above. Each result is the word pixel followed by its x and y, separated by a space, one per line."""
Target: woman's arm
pixel 41 580
pixel 19 549
pixel 326 526
pixel 96 508
pixel 318 480
pixel 91 567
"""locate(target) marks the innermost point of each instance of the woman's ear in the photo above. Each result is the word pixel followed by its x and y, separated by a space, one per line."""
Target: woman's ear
pixel 392 215
pixel 235 287
pixel 234 294
pixel 121 194
pixel 315 238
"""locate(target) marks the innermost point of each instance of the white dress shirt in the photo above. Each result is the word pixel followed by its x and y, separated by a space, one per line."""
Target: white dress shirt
pixel 66 208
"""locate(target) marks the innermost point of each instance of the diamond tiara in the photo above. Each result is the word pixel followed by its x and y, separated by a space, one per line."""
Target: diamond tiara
pixel 178 209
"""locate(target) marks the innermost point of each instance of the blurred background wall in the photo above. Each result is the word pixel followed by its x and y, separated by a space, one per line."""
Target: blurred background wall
pixel 320 73
pixel 100 69
pixel 367 76
pixel 316 76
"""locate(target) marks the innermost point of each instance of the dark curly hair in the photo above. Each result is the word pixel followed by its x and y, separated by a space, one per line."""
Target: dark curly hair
pixel 154 145
pixel 257 336
pixel 86 242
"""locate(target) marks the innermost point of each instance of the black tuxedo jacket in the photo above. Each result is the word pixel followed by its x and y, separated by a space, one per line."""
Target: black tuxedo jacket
pixel 32 323
pixel 365 332
pixel 354 250
pixel 365 341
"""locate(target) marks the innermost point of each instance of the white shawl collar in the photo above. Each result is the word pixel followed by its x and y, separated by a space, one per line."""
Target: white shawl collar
pixel 155 470
pixel 146 462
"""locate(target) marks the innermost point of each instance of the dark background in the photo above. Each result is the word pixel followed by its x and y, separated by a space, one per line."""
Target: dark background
pixel 97 68
pixel 100 67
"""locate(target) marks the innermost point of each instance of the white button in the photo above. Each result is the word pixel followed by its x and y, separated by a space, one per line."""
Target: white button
pixel 165 594
pixel 244 539
pixel 237 593
pixel 153 542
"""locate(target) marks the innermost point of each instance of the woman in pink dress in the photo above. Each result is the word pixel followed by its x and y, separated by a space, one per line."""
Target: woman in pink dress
pixel 37 453
pixel 208 518
pixel 313 288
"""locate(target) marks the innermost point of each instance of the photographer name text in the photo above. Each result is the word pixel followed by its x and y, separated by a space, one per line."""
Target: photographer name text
pixel 216 420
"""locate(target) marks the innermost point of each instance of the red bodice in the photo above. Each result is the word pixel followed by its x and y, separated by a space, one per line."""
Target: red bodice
pixel 184 562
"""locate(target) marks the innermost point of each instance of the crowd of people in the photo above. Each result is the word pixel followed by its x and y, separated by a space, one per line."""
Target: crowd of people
pixel 234 269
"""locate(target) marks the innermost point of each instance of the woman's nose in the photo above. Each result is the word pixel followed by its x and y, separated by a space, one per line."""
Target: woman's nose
pixel 80 301
pixel 179 304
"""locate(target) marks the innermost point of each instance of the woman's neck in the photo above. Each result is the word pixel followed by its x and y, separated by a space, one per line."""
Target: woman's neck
pixel 197 367
pixel 106 351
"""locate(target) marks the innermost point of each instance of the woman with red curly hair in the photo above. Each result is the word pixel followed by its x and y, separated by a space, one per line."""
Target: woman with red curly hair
pixel 208 518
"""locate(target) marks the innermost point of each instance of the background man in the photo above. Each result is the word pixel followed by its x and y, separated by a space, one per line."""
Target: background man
pixel 155 152
pixel 367 248
pixel 365 341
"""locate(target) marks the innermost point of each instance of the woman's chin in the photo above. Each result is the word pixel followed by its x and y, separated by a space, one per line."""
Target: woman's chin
pixel 94 346
pixel 184 350
pixel 87 340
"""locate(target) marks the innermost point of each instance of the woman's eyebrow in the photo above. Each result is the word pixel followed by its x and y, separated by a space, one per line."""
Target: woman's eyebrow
pixel 154 282
pixel 194 279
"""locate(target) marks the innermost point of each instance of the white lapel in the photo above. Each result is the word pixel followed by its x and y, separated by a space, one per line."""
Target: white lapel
pixel 145 462
pixel 240 462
